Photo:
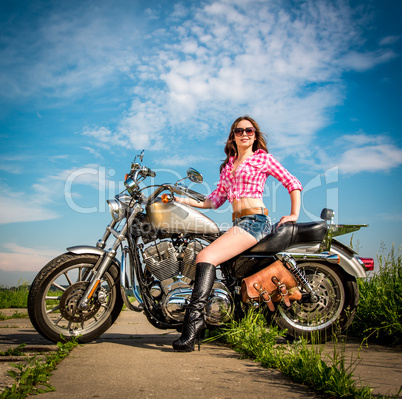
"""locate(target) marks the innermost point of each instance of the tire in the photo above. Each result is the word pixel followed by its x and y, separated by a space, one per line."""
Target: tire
pixel 332 314
pixel 58 287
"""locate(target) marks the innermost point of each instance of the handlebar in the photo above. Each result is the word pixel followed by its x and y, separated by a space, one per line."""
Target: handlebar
pixel 143 171
pixel 148 172
pixel 139 173
pixel 197 196
pixel 183 190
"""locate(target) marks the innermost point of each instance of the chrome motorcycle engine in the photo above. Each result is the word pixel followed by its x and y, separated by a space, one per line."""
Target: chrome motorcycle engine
pixel 174 273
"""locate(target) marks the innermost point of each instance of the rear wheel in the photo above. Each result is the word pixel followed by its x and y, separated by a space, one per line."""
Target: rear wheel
pixel 334 311
pixel 56 291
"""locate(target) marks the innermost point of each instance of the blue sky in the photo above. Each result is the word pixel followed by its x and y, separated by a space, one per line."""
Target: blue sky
pixel 86 85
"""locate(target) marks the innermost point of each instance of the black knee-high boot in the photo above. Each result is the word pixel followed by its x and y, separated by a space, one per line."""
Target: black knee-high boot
pixel 194 317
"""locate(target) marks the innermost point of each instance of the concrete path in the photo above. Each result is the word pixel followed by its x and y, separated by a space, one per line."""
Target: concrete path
pixel 135 360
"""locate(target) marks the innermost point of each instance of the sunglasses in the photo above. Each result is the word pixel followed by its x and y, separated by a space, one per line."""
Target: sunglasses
pixel 239 131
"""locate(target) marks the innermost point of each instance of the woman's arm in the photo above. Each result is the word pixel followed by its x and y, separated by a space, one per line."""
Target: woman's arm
pixel 294 208
pixel 207 204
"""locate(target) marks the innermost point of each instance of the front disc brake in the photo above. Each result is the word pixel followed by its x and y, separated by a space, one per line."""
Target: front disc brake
pixel 69 302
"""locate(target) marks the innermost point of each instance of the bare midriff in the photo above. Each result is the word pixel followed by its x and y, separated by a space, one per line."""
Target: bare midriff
pixel 245 203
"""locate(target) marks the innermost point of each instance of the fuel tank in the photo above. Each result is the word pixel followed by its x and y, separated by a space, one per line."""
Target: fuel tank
pixel 175 217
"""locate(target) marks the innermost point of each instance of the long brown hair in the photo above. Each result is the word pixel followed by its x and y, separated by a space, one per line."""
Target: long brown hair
pixel 231 147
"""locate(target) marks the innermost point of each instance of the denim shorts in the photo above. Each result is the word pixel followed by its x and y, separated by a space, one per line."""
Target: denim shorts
pixel 257 225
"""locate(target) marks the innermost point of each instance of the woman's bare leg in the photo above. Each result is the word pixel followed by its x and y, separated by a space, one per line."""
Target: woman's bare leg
pixel 233 242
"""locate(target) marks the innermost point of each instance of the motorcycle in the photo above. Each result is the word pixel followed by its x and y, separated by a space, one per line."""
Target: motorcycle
pixel 81 292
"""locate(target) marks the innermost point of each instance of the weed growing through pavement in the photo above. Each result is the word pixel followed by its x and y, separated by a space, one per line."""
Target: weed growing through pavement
pixel 14 351
pixel 15 315
pixel 33 377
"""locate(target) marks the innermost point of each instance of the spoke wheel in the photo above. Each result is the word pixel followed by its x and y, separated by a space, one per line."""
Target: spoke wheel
pixel 69 304
pixel 56 291
pixel 334 311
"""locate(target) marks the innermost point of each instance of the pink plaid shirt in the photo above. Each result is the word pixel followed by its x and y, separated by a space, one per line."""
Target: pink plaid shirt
pixel 250 178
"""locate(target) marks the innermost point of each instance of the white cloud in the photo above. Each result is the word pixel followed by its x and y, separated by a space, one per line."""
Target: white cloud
pixel 359 139
pixel 386 41
pixel 364 61
pixel 19 258
pixel 74 49
pixel 183 160
pixel 354 153
pixel 138 131
pixel 281 65
pixel 93 175
pixel 197 64
pixel 19 207
pixel 370 158
pixel 94 152
pixel 104 137
pixel 38 202
pixel 11 163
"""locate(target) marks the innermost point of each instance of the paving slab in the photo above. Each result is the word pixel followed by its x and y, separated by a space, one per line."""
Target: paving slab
pixel 134 359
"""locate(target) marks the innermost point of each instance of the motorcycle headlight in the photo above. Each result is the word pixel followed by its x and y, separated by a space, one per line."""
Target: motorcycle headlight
pixel 116 209
pixel 118 205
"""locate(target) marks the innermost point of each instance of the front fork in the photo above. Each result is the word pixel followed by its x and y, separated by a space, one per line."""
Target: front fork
pixel 109 255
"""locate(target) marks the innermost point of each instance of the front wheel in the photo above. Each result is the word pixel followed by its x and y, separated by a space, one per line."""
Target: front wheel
pixel 332 314
pixel 56 291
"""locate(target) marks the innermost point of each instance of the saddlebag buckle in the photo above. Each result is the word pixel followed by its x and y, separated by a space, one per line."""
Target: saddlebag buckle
pixel 265 296
pixel 282 289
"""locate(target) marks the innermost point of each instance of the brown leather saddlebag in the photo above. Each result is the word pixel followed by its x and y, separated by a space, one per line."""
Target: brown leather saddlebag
pixel 271 285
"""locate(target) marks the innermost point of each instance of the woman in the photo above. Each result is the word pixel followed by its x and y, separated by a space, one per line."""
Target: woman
pixel 242 180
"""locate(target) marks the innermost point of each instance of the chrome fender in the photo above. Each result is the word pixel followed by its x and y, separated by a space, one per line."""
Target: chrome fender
pixel 86 249
pixel 348 260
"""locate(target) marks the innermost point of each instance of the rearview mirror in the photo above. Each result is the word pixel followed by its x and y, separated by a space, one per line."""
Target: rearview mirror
pixel 194 175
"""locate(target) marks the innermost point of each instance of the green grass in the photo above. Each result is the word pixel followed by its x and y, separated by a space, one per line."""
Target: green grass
pixel 14 351
pixel 14 297
pixel 379 315
pixel 15 315
pixel 32 377
pixel 303 363
pixel 378 319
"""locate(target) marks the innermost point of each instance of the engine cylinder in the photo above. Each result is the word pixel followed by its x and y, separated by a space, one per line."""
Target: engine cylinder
pixel 161 260
pixel 189 259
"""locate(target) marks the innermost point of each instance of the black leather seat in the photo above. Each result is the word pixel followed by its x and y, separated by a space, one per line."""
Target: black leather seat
pixel 289 234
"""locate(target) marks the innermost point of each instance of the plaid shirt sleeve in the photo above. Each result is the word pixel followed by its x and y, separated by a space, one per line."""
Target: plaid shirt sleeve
pixel 275 169
pixel 218 196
